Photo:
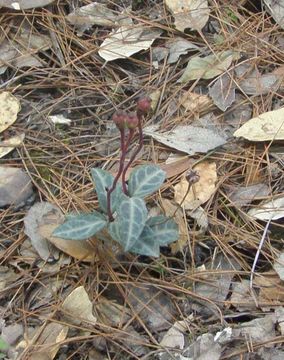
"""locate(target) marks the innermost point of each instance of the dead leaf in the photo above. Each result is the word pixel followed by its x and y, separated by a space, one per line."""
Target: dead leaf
pixel 265 127
pixel 223 92
pixel 171 209
pixel 270 285
pixel 241 297
pixel 15 186
pixel 110 313
pixel 20 49
pixel 257 330
pixel 33 219
pixel 151 305
pixel 188 139
pixel 24 4
pixel 204 348
pixel 207 67
pixel 200 215
pixel 84 17
pixel 270 210
pixel 276 9
pixel 244 195
pixel 59 119
pixel 7 277
pixel 279 266
pixel 196 103
pixel 199 192
pixel 192 14
pixel 126 41
pixel 78 308
pixel 9 108
pixel 174 337
pixel 178 47
pixel 216 286
pixel 48 342
pixel 81 250
pixel 9 145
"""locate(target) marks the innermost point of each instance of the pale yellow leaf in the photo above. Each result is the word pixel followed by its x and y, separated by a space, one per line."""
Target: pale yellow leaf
pixel 48 341
pixel 126 41
pixel 7 146
pixel 192 14
pixel 9 108
pixel 265 127
pixel 201 191
pixel 77 307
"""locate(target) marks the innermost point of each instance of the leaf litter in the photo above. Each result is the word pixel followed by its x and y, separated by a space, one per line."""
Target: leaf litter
pixel 200 81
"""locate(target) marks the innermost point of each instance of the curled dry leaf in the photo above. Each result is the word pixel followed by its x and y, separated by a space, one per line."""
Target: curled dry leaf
pixel 201 191
pixel 7 146
pixel 59 119
pixel 192 14
pixel 265 127
pixel 9 108
pixel 126 41
pixel 78 308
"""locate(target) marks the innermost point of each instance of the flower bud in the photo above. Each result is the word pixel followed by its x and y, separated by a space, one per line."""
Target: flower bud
pixel 132 121
pixel 144 104
pixel 119 118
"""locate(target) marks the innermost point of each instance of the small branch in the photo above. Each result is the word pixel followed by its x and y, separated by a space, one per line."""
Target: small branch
pixel 120 169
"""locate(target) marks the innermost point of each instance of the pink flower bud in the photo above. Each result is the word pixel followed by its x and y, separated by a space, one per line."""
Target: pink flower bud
pixel 120 118
pixel 132 121
pixel 144 104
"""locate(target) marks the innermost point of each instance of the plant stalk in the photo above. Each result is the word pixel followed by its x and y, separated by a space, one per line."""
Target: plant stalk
pixel 123 148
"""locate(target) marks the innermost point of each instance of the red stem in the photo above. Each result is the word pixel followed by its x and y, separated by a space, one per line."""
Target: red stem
pixel 123 148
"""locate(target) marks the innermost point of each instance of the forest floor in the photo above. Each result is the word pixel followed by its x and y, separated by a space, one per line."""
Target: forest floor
pixel 209 68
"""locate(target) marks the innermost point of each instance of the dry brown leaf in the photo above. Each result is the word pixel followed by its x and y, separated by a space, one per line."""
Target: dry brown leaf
pixel 199 192
pixel 170 209
pixel 7 146
pixel 48 342
pixel 271 288
pixel 196 103
pixel 192 14
pixel 9 108
pixel 265 127
pixel 77 307
pixel 110 313
pixel 81 250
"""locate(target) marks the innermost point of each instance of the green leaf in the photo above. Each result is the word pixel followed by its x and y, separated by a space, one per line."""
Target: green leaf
pixel 103 181
pixel 3 344
pixel 132 216
pixel 113 230
pixel 146 244
pixel 165 230
pixel 144 180
pixel 81 227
